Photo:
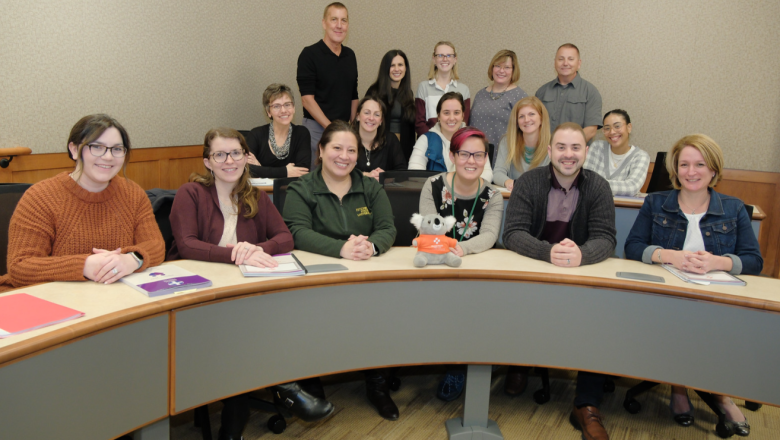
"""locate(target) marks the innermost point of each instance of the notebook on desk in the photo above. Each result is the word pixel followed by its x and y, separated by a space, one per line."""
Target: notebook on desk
pixel 22 313
pixel 713 277
pixel 288 266
pixel 163 280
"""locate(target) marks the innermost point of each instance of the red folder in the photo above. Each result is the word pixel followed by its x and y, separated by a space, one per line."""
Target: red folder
pixel 21 313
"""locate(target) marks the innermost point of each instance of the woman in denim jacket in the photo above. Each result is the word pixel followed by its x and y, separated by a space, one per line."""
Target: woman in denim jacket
pixel 696 229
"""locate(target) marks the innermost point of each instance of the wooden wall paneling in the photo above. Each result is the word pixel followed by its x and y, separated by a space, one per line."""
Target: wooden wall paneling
pixel 146 174
pixel 179 170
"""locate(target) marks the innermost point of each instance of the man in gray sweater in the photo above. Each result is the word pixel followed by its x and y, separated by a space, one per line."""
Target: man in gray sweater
pixel 565 215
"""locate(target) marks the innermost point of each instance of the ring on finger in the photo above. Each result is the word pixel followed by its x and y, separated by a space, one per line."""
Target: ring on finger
pixel 114 271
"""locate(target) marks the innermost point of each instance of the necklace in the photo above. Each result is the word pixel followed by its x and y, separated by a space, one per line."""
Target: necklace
pixel 693 211
pixel 283 151
pixel 368 157
pixel 471 214
pixel 497 95
pixel 528 155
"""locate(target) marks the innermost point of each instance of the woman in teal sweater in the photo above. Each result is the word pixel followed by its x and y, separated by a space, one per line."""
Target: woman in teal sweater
pixel 337 211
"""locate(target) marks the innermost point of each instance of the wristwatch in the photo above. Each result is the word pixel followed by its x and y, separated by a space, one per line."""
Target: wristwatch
pixel 376 251
pixel 137 259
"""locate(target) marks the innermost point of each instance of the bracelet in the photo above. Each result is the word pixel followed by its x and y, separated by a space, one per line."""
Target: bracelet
pixel 660 261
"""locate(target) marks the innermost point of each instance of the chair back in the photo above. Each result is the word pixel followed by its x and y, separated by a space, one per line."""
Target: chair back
pixel 659 180
pixel 10 193
pixel 491 154
pixel 403 189
pixel 280 192
pixel 162 200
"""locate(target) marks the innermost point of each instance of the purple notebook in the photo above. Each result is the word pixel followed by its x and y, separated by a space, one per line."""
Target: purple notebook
pixel 164 280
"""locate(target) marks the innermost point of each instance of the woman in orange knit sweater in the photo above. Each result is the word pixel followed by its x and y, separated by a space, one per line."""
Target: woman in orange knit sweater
pixel 86 224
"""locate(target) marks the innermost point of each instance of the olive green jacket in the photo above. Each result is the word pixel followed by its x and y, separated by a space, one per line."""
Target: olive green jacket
pixel 321 223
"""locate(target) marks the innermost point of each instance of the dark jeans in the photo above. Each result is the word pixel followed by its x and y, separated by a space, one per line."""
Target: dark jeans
pixel 590 389
pixel 590 386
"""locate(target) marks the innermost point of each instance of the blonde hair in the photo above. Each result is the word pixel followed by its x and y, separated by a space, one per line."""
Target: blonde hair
pixel 514 136
pixel 433 69
pixel 244 192
pixel 711 151
pixel 501 56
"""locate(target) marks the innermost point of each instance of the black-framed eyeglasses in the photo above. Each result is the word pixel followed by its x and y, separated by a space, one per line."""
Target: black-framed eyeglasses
pixel 221 156
pixel 98 150
pixel 444 55
pixel 479 156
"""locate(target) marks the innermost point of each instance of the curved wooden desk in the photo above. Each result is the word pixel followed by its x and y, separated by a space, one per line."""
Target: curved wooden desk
pixel 108 373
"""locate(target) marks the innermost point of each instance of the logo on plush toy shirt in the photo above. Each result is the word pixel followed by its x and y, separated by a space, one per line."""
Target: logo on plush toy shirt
pixel 436 240
pixel 362 211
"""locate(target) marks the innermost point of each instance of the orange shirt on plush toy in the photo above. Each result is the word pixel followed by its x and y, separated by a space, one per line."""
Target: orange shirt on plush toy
pixel 434 244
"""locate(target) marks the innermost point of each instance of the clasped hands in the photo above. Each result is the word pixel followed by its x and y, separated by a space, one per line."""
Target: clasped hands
pixel 356 248
pixel 292 170
pixel 566 254
pixel 699 262
pixel 107 267
pixel 250 255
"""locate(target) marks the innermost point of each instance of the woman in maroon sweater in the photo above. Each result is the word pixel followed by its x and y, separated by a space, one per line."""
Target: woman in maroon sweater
pixel 219 216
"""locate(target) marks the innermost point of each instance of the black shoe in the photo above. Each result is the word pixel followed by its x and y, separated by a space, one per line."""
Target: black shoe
pixel 291 400
pixel 378 393
pixel 684 418
pixel 313 386
pixel 742 429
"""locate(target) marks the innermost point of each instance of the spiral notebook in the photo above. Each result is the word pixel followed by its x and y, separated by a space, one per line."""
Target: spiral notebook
pixel 714 277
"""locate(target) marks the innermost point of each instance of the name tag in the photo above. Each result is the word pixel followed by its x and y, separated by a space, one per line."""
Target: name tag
pixel 362 211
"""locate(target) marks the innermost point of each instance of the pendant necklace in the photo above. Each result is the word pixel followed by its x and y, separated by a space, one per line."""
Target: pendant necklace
pixel 368 157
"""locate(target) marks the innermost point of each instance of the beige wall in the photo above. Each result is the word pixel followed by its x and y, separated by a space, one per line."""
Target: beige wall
pixel 169 71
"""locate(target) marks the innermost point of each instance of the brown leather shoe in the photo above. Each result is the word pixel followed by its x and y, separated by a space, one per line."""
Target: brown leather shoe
pixel 588 420
pixel 515 383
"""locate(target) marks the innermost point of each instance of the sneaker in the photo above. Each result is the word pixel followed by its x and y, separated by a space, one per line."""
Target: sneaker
pixel 451 387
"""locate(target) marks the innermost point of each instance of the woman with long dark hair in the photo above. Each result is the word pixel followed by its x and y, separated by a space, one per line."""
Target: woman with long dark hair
pixel 393 86
pixel 379 150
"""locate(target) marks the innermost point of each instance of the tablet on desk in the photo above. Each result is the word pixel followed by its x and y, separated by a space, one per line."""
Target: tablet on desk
pixel 640 277
pixel 319 268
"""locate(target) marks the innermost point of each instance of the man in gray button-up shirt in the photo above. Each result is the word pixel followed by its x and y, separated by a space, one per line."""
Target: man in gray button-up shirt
pixel 569 98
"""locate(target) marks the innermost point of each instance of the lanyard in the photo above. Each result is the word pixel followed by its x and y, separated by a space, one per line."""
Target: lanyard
pixel 471 214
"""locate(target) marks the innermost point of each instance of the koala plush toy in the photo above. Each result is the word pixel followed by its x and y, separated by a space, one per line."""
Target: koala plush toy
pixel 433 247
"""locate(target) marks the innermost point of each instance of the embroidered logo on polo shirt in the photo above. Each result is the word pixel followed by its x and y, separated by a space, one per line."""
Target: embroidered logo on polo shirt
pixel 362 211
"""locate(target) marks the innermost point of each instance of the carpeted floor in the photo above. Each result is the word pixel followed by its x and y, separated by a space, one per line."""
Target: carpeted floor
pixel 423 415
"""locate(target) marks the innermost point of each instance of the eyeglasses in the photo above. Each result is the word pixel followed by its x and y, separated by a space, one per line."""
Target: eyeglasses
pixel 500 67
pixel 221 156
pixel 286 105
pixel 479 156
pixel 98 150
pixel 442 56
pixel 616 126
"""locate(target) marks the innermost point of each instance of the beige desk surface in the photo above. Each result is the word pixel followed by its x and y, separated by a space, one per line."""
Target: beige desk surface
pixel 116 304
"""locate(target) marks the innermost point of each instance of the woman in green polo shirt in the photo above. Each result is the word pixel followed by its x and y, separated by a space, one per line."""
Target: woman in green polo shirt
pixel 337 211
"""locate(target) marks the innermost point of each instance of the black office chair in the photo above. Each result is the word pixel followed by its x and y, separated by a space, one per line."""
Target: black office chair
pixel 276 423
pixel 10 193
pixel 491 154
pixel 659 180
pixel 403 189
pixel 280 192
pixel 162 200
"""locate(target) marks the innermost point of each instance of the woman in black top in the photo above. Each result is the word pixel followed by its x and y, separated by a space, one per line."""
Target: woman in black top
pixel 379 149
pixel 393 87
pixel 279 149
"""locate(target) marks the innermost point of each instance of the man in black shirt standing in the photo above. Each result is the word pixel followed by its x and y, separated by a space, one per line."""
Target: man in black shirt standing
pixel 327 77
